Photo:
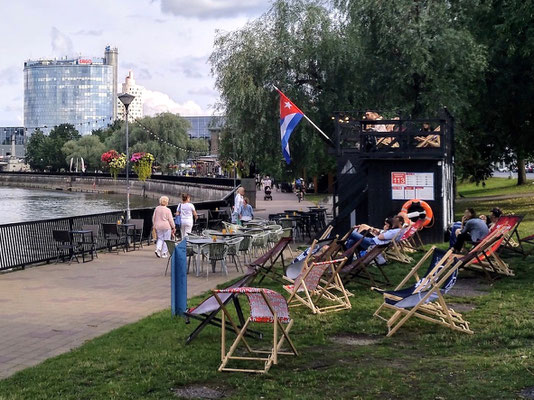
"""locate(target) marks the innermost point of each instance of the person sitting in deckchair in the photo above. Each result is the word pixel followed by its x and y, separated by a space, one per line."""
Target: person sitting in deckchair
pixel 392 227
pixel 492 217
pixel 473 228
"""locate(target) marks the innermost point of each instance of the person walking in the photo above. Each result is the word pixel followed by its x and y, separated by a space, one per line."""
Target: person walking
pixel 238 203
pixel 188 215
pixel 163 223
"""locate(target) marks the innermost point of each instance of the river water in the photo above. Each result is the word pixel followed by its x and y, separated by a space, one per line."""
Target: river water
pixel 18 204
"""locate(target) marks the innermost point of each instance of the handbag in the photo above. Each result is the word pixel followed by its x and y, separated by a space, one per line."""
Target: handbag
pixel 178 218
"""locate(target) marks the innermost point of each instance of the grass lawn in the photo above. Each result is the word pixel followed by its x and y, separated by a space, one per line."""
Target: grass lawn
pixel 495 187
pixel 148 359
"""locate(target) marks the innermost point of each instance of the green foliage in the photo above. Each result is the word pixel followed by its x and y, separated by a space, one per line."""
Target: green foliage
pixel 35 150
pixel 104 134
pixel 410 57
pixel 45 152
pixel 166 126
pixel 89 147
pixel 285 47
pixel 504 107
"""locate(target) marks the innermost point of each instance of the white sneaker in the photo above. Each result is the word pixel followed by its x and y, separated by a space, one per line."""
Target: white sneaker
pixel 165 255
pixel 158 253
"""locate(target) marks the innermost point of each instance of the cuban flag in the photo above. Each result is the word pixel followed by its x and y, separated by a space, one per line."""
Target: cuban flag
pixel 290 116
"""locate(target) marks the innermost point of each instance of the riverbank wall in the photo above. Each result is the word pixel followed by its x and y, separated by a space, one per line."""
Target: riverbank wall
pixel 203 189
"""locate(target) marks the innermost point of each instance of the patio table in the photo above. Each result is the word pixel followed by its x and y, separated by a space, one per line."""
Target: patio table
pixel 199 242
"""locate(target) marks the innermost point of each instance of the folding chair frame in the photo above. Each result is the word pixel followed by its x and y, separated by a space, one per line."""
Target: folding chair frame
pixel 359 266
pixel 323 289
pixel 280 334
pixel 211 317
pixel 435 311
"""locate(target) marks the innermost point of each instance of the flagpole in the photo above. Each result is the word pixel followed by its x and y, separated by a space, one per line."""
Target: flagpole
pixel 311 122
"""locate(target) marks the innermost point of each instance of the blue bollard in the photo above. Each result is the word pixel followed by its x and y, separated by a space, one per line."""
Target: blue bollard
pixel 179 280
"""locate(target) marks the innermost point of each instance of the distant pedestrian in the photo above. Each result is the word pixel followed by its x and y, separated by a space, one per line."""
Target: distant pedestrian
pixel 188 215
pixel 163 223
pixel 247 213
pixel 238 203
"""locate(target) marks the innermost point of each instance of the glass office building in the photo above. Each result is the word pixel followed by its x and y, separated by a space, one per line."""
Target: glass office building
pixel 7 132
pixel 202 126
pixel 80 91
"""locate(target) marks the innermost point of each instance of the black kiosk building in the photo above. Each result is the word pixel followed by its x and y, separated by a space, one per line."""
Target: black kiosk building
pixel 382 164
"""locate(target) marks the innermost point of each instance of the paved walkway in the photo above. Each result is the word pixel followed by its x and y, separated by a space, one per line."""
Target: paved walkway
pixel 51 309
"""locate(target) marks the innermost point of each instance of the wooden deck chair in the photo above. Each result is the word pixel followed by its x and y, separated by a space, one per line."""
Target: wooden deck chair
pixel 404 245
pixel 266 307
pixel 512 241
pixel 358 268
pixel 264 265
pixel 206 312
pixel 433 140
pixel 527 240
pixel 424 299
pixel 489 260
pixel 308 289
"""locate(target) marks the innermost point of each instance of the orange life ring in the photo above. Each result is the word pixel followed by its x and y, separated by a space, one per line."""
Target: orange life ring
pixel 424 205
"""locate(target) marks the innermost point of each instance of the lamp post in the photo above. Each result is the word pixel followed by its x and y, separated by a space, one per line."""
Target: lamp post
pixel 126 99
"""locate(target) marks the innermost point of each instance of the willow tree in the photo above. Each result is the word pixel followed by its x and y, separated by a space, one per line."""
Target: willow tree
pixel 406 56
pixel 291 47
pixel 164 136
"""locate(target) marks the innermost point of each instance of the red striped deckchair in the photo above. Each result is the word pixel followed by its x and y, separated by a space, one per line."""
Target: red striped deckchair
pixel 266 307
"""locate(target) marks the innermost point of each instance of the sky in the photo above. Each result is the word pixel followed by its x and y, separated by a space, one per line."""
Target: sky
pixel 166 43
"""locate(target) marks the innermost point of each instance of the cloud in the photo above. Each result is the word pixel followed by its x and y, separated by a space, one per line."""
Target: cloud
pixel 89 32
pixel 11 75
pixel 157 102
pixel 203 91
pixel 191 67
pixel 61 43
pixel 213 9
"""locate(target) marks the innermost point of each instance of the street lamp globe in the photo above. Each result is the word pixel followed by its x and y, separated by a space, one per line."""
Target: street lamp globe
pixel 126 99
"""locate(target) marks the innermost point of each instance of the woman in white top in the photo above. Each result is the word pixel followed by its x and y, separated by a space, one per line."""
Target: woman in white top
pixel 187 214
pixel 238 203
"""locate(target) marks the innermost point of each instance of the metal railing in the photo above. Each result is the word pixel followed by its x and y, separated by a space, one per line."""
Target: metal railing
pixel 25 243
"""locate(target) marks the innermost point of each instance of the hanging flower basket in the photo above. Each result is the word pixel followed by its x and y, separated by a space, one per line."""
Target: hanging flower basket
pixel 116 162
pixel 142 165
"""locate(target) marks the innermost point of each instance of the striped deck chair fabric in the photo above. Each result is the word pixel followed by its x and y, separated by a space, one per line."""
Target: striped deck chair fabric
pixel 206 312
pixel 266 307
pixel 309 287
pixel 424 299
pixel 489 260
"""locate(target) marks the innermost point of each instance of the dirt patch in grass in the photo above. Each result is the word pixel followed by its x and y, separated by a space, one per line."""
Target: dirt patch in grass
pixel 355 340
pixel 462 307
pixel 199 391
pixel 527 393
pixel 470 287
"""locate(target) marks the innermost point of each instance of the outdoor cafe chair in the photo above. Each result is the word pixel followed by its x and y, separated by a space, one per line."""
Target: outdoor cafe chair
pixel 92 240
pixel 216 251
pixel 233 251
pixel 64 242
pixel 259 243
pixel 114 236
pixel 245 247
pixel 266 307
pixel 135 233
